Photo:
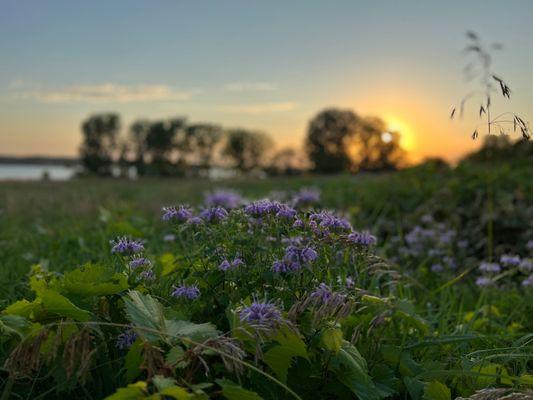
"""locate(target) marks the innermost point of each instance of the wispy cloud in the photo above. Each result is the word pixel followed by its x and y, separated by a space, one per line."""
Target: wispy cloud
pixel 104 93
pixel 262 108
pixel 240 87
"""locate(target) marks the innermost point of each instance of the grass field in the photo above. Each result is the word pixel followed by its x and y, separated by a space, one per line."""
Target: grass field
pixel 421 327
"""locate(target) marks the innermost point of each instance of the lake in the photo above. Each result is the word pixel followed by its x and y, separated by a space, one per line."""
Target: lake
pixel 22 172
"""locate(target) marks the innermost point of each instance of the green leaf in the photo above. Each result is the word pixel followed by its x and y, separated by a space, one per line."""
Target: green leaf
pixel 499 375
pixel 59 305
pixel 437 391
pixel 279 358
pixel 350 369
pixel 195 332
pixel 94 280
pixel 169 264
pixel 414 387
pixel 134 391
pixel 133 360
pixel 232 391
pixel 176 392
pixel 162 382
pixel 332 339
pixel 145 312
pixel 23 308
pixel 14 325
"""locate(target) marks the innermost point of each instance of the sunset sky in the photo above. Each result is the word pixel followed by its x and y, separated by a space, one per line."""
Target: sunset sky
pixel 264 65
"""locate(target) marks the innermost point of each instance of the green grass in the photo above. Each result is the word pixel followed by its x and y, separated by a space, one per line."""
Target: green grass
pixel 428 328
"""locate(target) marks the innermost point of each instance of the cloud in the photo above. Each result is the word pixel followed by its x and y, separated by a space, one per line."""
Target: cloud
pixel 106 93
pixel 240 87
pixel 260 108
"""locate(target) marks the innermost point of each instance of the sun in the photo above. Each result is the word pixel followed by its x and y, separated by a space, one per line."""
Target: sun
pixel 407 137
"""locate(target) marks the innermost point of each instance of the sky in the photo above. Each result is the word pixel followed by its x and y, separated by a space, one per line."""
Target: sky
pixel 264 65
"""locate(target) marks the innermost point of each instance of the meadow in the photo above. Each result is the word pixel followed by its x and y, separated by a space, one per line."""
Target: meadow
pixel 414 284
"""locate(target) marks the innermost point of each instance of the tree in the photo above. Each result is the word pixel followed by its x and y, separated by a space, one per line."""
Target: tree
pixel 138 133
pixel 246 149
pixel 340 140
pixel 99 142
pixel 328 137
pixel 202 140
pixel 375 148
pixel 161 141
pixel 286 162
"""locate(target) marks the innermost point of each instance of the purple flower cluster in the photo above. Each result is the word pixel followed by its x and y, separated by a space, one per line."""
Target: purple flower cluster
pixel 226 265
pixel 147 275
pixel 180 214
pixel 322 293
pixel 126 339
pixel 137 262
pixel 528 282
pixel 489 267
pixel 326 221
pixel 306 197
pixel 223 198
pixel 362 238
pixel 484 281
pixel 526 265
pixel 262 208
pixel 126 246
pixel 508 260
pixel 214 214
pixel 188 292
pixel 294 259
pixel 261 314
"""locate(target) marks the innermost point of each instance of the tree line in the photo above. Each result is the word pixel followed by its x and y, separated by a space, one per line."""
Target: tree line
pixel 336 141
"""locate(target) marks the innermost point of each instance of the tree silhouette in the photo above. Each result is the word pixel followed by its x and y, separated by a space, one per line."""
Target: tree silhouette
pixel 99 142
pixel 374 148
pixel 161 141
pixel 138 133
pixel 340 140
pixel 328 137
pixel 246 149
pixel 202 140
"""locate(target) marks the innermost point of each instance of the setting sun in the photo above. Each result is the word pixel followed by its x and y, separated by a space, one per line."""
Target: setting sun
pixel 407 136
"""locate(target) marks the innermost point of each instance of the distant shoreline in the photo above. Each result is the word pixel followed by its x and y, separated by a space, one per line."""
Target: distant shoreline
pixel 39 160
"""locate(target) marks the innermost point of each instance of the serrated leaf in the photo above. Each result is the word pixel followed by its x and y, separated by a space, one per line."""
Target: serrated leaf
pixel 350 368
pixel 145 312
pixel 332 339
pixel 94 280
pixel 437 391
pixel 134 391
pixel 61 306
pixel 23 308
pixel 13 325
pixel 233 391
pixel 190 330
pixel 279 358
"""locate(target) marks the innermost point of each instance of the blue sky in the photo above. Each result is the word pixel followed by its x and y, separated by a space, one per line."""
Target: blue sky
pixel 263 65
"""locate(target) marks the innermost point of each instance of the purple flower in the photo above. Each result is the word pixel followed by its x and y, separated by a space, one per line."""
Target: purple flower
pixel 126 246
pixel 224 198
pixel 214 214
pixel 362 238
pixel 169 237
pixel 528 281
pixel 450 262
pixel 526 265
pixel 261 314
pixel 294 258
pixel 139 262
pixel 195 221
pixel 264 207
pixel 286 212
pixel 322 293
pixel 126 339
pixel 298 224
pixel 180 213
pixel 187 292
pixel 508 260
pixel 483 281
pixel 327 220
pixel 437 268
pixel 489 267
pixel 225 265
pixel 306 197
pixel 529 245
pixel 147 275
